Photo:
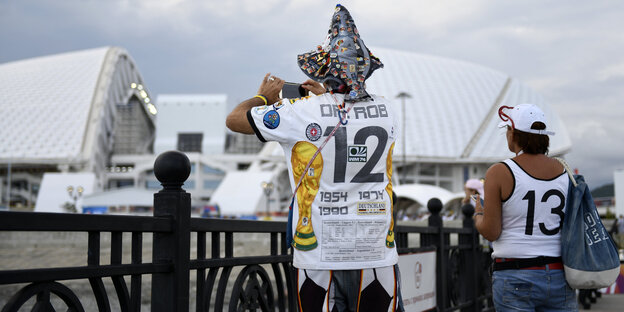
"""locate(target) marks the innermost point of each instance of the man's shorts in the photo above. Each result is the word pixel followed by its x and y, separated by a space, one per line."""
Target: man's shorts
pixel 368 290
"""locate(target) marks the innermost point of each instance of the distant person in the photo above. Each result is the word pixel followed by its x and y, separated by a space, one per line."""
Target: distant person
pixel 345 198
pixel 619 227
pixel 472 187
pixel 526 202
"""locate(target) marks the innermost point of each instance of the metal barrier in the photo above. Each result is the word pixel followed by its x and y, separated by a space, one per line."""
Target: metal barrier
pixel 461 278
pixel 462 270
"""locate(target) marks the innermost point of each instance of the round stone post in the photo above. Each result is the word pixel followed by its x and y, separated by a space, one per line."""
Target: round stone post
pixel 434 206
pixel 170 290
pixel 467 210
pixel 468 260
pixel 440 240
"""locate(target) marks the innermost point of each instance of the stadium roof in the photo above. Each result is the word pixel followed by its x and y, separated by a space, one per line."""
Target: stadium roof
pixel 57 108
pixel 452 113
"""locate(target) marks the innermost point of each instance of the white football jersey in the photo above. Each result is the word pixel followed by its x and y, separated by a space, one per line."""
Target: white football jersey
pixel 342 214
pixel 532 216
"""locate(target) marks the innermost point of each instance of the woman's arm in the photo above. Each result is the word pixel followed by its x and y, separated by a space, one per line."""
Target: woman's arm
pixel 489 219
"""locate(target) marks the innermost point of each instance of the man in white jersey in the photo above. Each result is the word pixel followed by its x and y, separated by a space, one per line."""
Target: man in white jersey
pixel 338 145
pixel 524 208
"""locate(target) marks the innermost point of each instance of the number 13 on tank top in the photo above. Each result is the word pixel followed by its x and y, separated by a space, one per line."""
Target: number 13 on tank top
pixel 530 217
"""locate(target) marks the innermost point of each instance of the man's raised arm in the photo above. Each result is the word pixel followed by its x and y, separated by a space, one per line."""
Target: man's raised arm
pixel 268 93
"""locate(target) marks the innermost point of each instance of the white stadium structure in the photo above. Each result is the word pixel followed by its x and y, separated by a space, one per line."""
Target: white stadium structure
pixel 450 114
pixel 89 112
pixel 89 115
pixel 69 113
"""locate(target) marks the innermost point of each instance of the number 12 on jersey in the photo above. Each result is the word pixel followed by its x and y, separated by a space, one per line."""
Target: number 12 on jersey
pixel 342 150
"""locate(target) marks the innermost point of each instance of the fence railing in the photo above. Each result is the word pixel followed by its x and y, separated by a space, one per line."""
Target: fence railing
pixel 462 267
pixel 222 280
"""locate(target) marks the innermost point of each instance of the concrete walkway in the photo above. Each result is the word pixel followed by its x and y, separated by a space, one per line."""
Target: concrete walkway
pixel 607 303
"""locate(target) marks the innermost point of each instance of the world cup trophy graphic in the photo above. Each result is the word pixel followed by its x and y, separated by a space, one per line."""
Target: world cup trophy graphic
pixel 302 152
pixel 390 236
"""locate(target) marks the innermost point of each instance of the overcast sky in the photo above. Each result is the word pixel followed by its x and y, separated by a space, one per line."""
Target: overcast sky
pixel 572 52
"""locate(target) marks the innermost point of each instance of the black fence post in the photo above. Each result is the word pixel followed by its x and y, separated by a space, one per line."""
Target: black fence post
pixel 438 240
pixel 468 261
pixel 170 290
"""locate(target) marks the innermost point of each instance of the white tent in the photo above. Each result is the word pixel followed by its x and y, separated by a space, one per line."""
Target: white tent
pixel 422 193
pixel 53 194
pixel 128 196
pixel 241 193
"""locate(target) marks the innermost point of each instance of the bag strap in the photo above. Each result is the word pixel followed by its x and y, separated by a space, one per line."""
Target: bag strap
pixel 289 235
pixel 318 151
pixel 568 170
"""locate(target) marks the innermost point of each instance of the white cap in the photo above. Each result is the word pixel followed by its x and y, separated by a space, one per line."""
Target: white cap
pixel 522 117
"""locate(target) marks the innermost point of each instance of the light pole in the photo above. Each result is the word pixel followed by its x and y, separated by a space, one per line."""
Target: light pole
pixel 268 187
pixel 74 194
pixel 403 95
pixel 9 184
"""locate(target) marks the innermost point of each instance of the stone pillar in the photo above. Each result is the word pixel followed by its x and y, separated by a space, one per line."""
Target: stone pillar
pixel 170 290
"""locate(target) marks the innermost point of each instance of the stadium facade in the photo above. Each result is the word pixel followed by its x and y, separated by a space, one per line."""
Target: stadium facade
pixel 70 112
pixel 449 112
pixel 91 112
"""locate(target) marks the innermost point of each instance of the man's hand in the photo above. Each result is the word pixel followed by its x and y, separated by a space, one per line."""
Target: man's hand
pixel 270 88
pixel 313 86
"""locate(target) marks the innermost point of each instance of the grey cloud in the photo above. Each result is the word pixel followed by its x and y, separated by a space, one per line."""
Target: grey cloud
pixel 560 49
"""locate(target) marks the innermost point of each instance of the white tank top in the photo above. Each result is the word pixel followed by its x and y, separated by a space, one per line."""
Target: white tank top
pixel 532 216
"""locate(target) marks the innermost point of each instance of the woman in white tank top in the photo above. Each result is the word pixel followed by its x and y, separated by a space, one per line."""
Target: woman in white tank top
pixel 522 217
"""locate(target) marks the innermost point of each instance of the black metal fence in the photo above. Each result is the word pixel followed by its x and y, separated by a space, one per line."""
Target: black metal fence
pixel 261 282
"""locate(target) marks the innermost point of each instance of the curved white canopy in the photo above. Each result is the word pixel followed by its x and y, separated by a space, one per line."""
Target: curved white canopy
pixel 422 193
pixel 452 112
pixel 60 108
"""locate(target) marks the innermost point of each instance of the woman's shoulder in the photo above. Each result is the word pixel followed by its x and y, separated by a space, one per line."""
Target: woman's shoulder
pixel 498 170
pixel 541 166
pixel 498 166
